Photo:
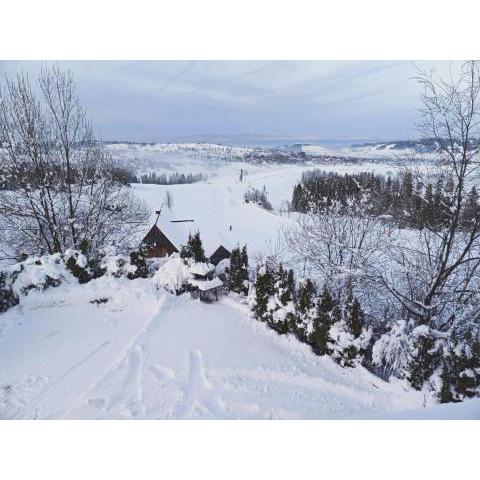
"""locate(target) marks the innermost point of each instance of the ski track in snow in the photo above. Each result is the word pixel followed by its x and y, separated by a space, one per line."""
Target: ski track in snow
pixel 190 360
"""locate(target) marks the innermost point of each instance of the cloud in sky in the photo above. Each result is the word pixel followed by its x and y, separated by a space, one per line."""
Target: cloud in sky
pixel 153 100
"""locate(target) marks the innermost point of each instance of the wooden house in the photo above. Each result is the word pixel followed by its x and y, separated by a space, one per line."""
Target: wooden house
pixel 157 243
pixel 221 253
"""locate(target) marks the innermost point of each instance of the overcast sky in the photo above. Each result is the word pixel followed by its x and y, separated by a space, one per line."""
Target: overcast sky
pixel 153 100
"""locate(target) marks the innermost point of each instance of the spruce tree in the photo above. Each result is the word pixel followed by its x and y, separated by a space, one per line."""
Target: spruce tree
pixel 138 258
pixel 263 290
pixel 305 309
pixel 353 315
pixel 235 279
pixel 193 249
pixel 424 357
pixel 238 280
pixel 281 309
pixel 327 314
pixel 244 269
pixel 460 378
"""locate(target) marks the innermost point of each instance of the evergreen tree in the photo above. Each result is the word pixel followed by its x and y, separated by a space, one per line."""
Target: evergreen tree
pixel 138 258
pixel 326 315
pixel 471 209
pixel 460 377
pixel 281 307
pixel 193 249
pixel 351 341
pixel 353 315
pixel 306 309
pixel 263 290
pixel 238 280
pixel 424 357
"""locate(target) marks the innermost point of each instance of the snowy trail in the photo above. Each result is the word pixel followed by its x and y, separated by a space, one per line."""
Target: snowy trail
pixel 213 362
pixel 148 354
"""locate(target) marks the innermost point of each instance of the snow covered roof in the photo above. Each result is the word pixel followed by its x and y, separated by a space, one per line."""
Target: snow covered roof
pixel 220 253
pixel 205 285
pixel 201 268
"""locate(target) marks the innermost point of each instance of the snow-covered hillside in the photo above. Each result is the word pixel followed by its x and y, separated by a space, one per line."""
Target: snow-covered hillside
pixel 145 353
pixel 218 203
pixel 198 157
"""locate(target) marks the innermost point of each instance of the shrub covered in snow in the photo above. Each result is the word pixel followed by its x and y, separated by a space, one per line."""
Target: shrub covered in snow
pixel 173 275
pixel 35 273
pixel 40 273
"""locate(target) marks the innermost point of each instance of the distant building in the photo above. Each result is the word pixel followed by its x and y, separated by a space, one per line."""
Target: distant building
pixel 221 253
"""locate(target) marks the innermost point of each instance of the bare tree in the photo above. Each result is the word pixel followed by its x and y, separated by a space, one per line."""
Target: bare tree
pixel 58 182
pixel 339 244
pixel 437 272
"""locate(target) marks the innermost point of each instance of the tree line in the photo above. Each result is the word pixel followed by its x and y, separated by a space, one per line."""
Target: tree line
pixel 172 179
pixel 405 200
pixel 334 323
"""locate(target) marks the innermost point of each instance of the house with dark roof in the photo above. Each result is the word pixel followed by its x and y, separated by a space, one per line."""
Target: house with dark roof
pixel 157 243
pixel 221 253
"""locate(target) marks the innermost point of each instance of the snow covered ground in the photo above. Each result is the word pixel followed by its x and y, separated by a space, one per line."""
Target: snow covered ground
pixel 218 203
pixel 145 353
pixel 116 348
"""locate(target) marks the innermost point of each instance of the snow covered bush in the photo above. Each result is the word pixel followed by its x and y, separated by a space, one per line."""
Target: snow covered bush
pixel 138 261
pixel 78 264
pixel 258 197
pixel 113 263
pixel 424 355
pixel 173 275
pixel 35 273
pixel 7 297
pixel 390 351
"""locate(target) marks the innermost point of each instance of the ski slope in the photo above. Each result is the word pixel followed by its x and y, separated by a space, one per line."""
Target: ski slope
pixel 145 353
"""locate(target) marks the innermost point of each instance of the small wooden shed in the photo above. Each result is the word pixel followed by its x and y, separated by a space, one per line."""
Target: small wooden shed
pixel 207 290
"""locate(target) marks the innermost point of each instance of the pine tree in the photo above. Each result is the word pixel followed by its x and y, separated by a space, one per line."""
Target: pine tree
pixel 424 357
pixel 471 209
pixel 263 290
pixel 351 340
pixel 193 249
pixel 460 377
pixel 138 258
pixel 326 315
pixel 281 307
pixel 244 270
pixel 353 315
pixel 238 279
pixel 305 309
